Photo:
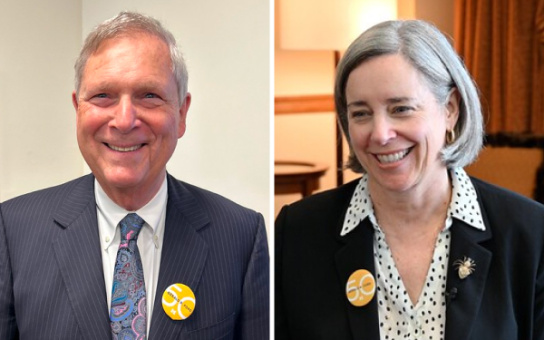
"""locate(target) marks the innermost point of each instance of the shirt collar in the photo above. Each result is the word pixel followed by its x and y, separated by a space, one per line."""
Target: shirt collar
pixel 463 204
pixel 150 213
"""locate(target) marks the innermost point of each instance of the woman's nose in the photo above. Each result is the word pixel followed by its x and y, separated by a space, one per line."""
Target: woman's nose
pixel 382 129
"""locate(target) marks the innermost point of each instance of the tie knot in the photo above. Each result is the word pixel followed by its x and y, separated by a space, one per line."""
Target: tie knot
pixel 131 226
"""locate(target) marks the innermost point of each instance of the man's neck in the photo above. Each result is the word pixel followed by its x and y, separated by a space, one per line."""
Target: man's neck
pixel 132 198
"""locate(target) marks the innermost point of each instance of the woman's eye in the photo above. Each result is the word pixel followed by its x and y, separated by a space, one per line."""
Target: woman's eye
pixel 360 114
pixel 402 109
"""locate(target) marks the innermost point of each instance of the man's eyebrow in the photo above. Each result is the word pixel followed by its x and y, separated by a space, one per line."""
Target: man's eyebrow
pixel 99 86
pixel 141 86
pixel 149 84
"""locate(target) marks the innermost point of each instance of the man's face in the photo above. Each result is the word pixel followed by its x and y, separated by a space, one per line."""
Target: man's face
pixel 129 116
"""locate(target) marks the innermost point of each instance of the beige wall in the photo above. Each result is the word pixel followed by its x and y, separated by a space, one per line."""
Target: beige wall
pixel 39 40
pixel 227 144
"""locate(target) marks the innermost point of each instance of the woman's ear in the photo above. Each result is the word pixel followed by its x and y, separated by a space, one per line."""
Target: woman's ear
pixel 452 108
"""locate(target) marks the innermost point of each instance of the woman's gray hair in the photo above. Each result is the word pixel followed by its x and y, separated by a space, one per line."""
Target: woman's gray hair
pixel 430 52
pixel 126 23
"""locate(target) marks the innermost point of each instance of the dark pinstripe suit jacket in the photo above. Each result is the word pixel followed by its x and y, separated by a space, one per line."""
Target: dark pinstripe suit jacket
pixel 51 276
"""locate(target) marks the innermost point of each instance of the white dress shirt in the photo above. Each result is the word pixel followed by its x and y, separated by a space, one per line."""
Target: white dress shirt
pixel 150 239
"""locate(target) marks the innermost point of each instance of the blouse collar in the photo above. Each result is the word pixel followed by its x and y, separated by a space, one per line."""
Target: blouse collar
pixel 463 204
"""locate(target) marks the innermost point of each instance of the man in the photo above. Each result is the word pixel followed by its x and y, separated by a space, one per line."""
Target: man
pixel 67 271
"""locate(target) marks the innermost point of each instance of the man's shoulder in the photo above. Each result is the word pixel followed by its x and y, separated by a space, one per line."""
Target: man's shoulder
pixel 213 203
pixel 52 195
pixel 36 208
pixel 216 218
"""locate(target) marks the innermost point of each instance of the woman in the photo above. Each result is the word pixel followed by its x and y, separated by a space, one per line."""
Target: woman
pixel 415 249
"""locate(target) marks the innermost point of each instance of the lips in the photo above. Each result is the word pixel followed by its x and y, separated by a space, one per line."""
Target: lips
pixel 392 157
pixel 124 148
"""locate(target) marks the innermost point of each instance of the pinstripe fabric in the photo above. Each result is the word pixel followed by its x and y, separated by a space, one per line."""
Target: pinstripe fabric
pixel 215 258
pixel 51 271
pixel 43 255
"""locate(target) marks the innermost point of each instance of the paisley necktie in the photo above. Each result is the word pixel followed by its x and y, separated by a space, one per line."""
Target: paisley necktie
pixel 128 301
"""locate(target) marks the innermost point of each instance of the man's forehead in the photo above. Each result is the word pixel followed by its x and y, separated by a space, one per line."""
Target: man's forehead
pixel 126 51
pixel 133 38
pixel 128 54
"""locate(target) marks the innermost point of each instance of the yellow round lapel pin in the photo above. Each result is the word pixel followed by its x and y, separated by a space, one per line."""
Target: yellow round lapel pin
pixel 360 288
pixel 178 301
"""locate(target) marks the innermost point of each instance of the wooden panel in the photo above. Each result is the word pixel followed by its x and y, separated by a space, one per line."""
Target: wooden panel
pixel 304 104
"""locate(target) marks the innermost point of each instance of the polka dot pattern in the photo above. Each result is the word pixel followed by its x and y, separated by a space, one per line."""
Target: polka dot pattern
pixel 464 202
pixel 398 317
pixel 359 207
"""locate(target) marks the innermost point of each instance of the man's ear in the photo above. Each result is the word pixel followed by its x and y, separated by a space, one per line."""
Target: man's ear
pixel 182 126
pixel 74 100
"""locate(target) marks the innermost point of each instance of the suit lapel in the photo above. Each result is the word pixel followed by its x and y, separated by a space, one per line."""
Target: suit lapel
pixel 462 309
pixel 78 255
pixel 358 254
pixel 183 256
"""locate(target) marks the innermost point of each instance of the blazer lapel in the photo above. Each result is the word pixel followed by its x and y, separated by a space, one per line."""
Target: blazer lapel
pixel 78 255
pixel 464 304
pixel 358 254
pixel 183 256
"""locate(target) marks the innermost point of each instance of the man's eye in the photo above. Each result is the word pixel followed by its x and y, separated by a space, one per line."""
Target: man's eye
pixel 101 99
pixel 151 100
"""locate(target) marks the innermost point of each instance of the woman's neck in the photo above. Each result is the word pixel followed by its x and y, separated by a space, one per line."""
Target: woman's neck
pixel 416 208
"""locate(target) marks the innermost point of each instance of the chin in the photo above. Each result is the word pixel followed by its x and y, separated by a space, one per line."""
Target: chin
pixel 128 178
pixel 398 183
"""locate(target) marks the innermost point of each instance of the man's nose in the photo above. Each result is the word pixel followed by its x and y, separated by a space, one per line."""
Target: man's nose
pixel 125 115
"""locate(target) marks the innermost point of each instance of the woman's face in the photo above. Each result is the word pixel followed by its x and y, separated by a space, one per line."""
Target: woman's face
pixel 397 128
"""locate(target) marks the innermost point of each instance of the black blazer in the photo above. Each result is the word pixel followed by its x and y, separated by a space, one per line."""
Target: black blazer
pixel 51 275
pixel 502 299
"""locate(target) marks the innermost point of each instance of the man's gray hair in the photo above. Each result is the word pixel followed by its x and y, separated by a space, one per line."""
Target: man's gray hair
pixel 126 23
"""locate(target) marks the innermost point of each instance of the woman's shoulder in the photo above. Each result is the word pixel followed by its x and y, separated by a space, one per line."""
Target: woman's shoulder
pixel 496 196
pixel 323 208
pixel 339 196
pixel 509 212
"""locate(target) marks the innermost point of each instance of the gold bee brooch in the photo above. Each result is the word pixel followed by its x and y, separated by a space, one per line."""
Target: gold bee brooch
pixel 464 267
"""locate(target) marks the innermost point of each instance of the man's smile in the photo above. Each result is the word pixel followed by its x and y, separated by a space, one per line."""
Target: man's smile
pixel 124 149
